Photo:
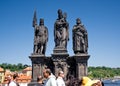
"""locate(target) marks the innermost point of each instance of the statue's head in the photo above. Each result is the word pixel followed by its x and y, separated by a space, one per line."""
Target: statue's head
pixel 78 21
pixel 59 11
pixel 60 14
pixel 41 21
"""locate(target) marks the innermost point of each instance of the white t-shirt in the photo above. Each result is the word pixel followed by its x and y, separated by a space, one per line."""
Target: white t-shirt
pixel 51 81
pixel 60 81
pixel 12 83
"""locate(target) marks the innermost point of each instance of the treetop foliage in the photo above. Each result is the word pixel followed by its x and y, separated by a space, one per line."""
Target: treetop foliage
pixel 103 72
pixel 13 67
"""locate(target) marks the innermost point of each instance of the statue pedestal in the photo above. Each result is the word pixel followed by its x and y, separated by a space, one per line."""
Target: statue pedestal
pixel 37 67
pixel 81 65
pixel 59 58
pixel 59 50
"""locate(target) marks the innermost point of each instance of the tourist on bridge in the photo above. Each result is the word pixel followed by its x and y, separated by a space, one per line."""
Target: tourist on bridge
pixel 50 78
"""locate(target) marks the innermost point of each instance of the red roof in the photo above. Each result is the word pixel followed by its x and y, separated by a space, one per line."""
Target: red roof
pixel 28 69
pixel 23 78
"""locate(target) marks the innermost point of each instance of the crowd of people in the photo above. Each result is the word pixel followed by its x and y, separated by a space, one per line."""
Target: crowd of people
pixel 12 80
pixel 51 80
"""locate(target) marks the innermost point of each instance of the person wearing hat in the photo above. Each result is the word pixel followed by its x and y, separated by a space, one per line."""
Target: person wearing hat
pixel 86 81
pixel 97 83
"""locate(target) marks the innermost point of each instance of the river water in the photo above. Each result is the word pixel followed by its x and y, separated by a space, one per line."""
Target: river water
pixel 111 83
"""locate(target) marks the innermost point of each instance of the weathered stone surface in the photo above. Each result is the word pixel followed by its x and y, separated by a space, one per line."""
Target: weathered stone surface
pixel 80 38
pixel 73 66
pixel 61 30
pixel 38 64
pixel 40 36
pixel 81 65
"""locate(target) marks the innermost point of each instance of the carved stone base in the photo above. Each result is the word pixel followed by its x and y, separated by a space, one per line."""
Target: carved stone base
pixel 60 63
pixel 81 64
pixel 59 50
pixel 37 66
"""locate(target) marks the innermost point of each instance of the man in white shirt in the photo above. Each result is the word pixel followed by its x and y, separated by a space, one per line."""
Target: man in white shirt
pixel 13 82
pixel 60 81
pixel 50 78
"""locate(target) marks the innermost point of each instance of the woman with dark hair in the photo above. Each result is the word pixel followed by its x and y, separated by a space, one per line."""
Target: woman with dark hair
pixel 40 81
pixel 14 81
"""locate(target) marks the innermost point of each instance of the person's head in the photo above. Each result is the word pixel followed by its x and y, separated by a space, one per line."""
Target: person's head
pixel 98 83
pixel 102 83
pixel 41 21
pixel 9 78
pixel 15 76
pixel 39 79
pixel 85 81
pixel 61 74
pixel 46 72
pixel 71 77
pixel 78 21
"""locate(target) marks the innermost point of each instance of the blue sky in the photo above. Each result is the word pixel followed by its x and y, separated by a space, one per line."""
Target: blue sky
pixel 101 18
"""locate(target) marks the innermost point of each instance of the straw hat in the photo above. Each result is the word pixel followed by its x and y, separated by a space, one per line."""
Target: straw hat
pixel 88 82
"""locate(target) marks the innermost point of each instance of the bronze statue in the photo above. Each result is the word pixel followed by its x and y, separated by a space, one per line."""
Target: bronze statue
pixel 80 38
pixel 40 36
pixel 61 34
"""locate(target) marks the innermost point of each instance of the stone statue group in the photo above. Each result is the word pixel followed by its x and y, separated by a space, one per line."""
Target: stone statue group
pixel 61 35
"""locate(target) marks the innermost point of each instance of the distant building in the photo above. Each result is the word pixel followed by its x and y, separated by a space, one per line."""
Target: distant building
pixel 23 79
pixel 25 76
pixel 27 71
